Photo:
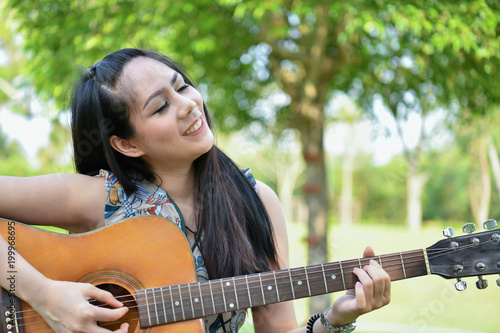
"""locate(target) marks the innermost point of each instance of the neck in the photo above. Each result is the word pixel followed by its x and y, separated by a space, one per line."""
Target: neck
pixel 178 183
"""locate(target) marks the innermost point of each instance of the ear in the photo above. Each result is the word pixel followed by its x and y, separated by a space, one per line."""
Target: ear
pixel 125 147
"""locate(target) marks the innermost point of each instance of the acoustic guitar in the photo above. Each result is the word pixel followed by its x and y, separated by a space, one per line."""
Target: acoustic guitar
pixel 147 264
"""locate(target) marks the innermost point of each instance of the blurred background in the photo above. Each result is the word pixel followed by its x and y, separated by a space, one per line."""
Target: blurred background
pixel 376 122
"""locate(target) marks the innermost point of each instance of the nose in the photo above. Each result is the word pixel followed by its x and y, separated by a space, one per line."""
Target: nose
pixel 187 106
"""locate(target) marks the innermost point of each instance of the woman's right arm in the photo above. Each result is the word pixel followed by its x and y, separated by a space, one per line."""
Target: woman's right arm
pixel 70 201
pixel 63 305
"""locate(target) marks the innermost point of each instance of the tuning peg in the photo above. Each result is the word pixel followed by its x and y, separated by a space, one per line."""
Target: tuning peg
pixel 489 224
pixel 481 283
pixel 448 232
pixel 469 228
pixel 461 285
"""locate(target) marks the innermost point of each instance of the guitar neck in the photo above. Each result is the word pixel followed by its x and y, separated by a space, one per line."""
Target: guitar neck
pixel 194 300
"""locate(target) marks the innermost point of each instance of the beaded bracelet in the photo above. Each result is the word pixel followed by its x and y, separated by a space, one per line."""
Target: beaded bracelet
pixel 310 323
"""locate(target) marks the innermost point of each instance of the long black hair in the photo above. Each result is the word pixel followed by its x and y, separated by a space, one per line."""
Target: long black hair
pixel 237 232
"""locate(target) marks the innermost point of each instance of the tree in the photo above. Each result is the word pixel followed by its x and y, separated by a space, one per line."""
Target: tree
pixel 243 51
pixel 444 56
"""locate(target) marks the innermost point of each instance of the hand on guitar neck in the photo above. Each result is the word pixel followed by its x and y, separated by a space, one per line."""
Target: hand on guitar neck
pixel 372 291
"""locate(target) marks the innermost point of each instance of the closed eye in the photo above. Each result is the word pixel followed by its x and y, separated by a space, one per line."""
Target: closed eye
pixel 161 108
pixel 165 105
pixel 183 87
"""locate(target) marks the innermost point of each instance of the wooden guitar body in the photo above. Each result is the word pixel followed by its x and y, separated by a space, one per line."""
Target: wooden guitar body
pixel 145 252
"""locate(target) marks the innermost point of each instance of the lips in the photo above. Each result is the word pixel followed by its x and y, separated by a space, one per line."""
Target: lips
pixel 194 127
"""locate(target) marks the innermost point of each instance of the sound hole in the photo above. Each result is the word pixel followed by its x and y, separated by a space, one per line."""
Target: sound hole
pixel 124 296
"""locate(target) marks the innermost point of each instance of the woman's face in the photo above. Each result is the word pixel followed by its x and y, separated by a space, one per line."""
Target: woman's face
pixel 167 114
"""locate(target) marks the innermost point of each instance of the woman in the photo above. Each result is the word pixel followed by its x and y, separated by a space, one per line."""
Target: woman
pixel 143 133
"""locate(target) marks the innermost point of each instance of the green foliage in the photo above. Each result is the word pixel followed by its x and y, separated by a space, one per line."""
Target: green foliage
pixel 381 191
pixel 446 194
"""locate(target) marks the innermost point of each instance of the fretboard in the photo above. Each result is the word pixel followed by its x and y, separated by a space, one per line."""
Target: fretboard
pixel 193 300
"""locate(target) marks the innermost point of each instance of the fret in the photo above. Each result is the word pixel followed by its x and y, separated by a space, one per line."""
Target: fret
pixel 159 307
pixel 262 290
pixel 155 307
pixel 299 282
pixel 360 265
pixel 316 278
pixel 380 261
pixel 276 286
pixel 201 301
pixel 218 296
pixel 147 307
pixel 269 287
pixel 324 277
pixel 236 294
pixel 285 289
pixel 256 290
pixel 229 294
pixel 195 302
pixel 415 264
pixel 168 310
pixel 342 274
pixel 172 302
pixel 291 284
pixel 248 291
pixel 402 264
pixel 191 300
pixel 307 281
pixel 207 298
pixel 223 296
pixel 141 307
pixel 212 296
pixel 334 277
pixel 182 303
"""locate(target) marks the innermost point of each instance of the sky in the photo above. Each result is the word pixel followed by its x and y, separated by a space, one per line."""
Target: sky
pixel 31 133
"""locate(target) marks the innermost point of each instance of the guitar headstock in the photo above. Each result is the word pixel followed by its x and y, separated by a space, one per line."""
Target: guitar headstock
pixel 469 255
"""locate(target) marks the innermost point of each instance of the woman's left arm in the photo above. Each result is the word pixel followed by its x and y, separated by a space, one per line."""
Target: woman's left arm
pixel 370 293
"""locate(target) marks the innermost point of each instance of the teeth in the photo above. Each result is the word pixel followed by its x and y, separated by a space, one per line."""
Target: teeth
pixel 194 128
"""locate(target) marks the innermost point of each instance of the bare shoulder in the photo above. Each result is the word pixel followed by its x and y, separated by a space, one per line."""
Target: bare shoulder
pixel 273 208
pixel 72 201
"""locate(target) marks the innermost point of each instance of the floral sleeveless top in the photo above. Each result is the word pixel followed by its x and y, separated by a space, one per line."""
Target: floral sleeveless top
pixel 150 199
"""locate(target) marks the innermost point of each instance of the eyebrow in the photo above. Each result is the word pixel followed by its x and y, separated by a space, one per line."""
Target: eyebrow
pixel 161 90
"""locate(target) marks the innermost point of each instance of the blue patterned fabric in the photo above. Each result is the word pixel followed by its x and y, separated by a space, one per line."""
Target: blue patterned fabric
pixel 150 199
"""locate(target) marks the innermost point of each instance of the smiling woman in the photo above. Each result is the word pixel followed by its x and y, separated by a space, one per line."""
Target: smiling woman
pixel 143 145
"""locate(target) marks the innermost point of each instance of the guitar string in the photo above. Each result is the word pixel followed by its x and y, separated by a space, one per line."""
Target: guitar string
pixel 345 266
pixel 297 275
pixel 255 288
pixel 442 251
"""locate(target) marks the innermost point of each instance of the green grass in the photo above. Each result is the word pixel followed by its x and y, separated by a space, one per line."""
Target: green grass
pixel 428 304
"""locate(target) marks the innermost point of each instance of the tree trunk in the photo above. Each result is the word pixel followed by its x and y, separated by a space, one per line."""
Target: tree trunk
pixel 480 181
pixel 495 164
pixel 346 202
pixel 414 188
pixel 316 197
